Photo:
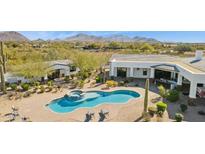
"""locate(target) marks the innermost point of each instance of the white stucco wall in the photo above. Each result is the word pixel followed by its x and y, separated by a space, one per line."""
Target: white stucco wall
pixel 193 77
pixel 138 73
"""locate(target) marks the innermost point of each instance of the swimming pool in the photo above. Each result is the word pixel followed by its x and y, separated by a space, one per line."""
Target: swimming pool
pixel 90 99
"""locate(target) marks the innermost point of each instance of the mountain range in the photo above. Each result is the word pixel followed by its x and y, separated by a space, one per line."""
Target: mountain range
pixel 12 36
pixel 16 36
pixel 117 38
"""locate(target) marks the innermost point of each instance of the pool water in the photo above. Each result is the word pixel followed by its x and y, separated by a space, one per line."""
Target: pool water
pixel 91 99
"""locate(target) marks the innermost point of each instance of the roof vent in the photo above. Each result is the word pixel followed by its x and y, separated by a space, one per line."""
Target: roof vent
pixel 198 54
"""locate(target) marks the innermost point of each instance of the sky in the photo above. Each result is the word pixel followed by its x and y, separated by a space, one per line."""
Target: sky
pixel 168 36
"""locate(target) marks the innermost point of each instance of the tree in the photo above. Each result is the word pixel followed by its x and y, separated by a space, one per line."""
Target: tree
pixel 147 47
pixel 31 70
pixel 114 45
pixel 184 47
pixel 2 68
pixel 88 61
pixel 146 97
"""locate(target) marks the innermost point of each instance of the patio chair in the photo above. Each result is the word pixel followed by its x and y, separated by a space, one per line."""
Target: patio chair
pixel 89 116
pixel 11 118
pixel 25 119
pixel 103 115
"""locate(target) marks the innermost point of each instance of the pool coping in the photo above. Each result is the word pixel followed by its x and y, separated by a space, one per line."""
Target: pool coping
pixel 109 90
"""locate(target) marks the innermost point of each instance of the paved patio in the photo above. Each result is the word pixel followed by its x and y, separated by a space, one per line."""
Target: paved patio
pixel 35 108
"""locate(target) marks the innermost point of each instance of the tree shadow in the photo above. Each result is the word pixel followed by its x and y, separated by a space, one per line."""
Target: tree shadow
pixel 138 119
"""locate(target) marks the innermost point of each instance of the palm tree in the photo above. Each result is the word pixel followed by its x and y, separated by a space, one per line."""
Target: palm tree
pixel 146 97
pixel 2 68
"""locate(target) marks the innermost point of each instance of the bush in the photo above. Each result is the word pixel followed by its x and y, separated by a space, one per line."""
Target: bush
pixel 111 83
pixel 183 107
pixel 50 83
pixel 72 76
pixel 37 83
pixel 67 79
pixel 98 79
pixel 121 83
pixel 25 86
pixel 179 117
pixel 160 113
pixel 173 95
pixel 162 91
pixel 81 83
pixel 161 106
pixel 13 86
pixel 42 89
pixel 152 110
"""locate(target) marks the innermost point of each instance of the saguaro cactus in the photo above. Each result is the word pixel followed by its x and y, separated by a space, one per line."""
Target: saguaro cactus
pixel 2 68
pixel 146 96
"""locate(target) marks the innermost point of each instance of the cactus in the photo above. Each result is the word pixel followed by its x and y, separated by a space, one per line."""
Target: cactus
pixel 2 68
pixel 146 97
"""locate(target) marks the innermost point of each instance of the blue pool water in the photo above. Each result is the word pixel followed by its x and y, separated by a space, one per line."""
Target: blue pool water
pixel 91 99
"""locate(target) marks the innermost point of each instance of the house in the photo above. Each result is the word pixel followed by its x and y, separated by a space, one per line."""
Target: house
pixel 173 70
pixel 57 69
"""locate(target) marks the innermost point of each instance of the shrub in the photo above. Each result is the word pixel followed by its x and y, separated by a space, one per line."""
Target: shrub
pixel 160 113
pixel 67 79
pixel 161 106
pixel 121 83
pixel 13 86
pixel 72 76
pixel 42 89
pixel 50 83
pixel 98 79
pixel 162 91
pixel 25 86
pixel 173 95
pixel 37 83
pixel 183 107
pixel 115 84
pixel 179 117
pixel 152 110
pixel 111 83
pixel 81 83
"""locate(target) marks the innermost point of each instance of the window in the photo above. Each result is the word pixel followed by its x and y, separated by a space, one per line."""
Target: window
pixel 144 72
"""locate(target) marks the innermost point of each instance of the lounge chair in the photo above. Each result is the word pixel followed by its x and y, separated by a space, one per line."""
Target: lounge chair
pixel 11 118
pixel 89 116
pixel 103 115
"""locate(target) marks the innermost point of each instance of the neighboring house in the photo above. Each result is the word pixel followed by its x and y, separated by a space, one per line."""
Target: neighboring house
pixel 58 69
pixel 163 68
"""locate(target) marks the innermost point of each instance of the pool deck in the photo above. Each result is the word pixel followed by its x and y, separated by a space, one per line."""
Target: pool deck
pixel 35 108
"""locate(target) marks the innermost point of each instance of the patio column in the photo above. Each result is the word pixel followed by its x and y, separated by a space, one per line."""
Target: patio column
pixel 152 73
pixel 111 70
pixel 115 72
pixel 131 71
pixel 179 80
pixel 192 91
pixel 172 75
